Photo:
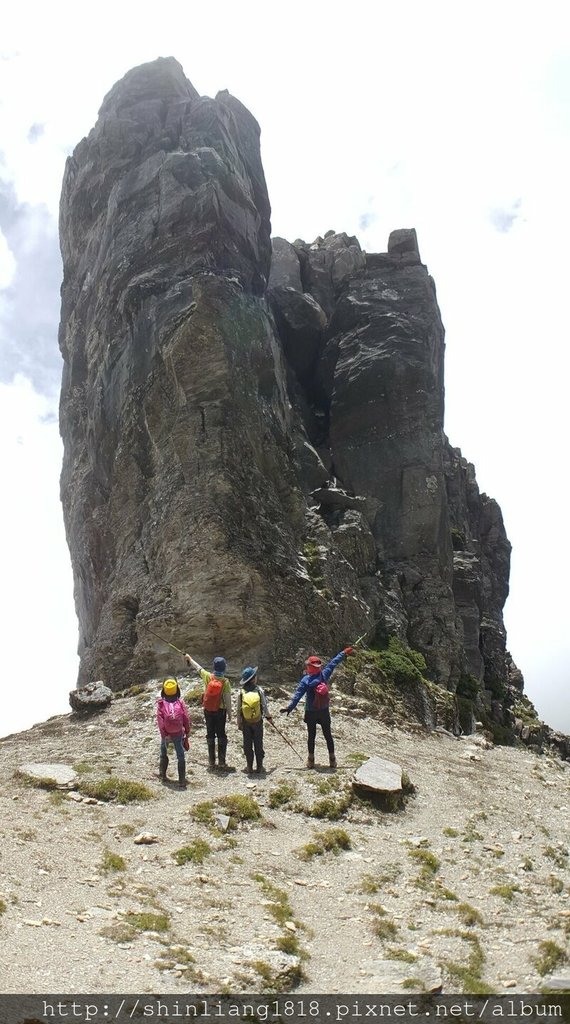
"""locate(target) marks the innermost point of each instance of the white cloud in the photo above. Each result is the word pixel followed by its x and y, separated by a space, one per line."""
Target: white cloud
pixel 39 631
pixel 7 263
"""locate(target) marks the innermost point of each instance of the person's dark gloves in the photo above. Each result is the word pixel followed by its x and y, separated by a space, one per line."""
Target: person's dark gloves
pixel 284 711
pixel 348 650
pixel 186 743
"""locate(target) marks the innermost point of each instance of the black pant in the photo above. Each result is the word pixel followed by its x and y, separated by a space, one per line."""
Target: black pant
pixel 253 740
pixel 322 718
pixel 216 729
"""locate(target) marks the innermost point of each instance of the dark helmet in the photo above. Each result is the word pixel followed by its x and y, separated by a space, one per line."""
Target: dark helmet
pixel 219 666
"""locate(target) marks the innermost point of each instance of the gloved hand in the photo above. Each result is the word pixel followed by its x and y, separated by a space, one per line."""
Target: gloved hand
pixel 186 743
pixel 348 650
pixel 284 711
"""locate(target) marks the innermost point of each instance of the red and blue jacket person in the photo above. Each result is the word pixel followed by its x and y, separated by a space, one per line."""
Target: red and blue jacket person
pixel 316 673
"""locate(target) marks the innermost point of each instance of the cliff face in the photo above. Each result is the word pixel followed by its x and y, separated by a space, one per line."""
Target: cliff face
pixel 255 461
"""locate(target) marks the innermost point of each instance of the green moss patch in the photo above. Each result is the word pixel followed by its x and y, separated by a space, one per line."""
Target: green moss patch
pixel 333 840
pixel 194 853
pixel 113 862
pixel 122 791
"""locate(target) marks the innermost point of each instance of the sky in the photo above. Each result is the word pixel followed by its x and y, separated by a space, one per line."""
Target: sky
pixel 450 117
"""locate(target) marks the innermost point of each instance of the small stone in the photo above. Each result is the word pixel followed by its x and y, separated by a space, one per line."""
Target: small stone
pixel 222 821
pixel 300 881
pixel 511 983
pixel 517 836
pixel 145 839
pixel 291 926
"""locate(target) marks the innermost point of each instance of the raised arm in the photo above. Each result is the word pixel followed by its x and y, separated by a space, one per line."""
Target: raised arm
pixel 328 670
pixel 299 692
pixel 193 663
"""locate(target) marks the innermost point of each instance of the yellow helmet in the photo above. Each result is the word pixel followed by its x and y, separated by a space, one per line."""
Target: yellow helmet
pixel 169 687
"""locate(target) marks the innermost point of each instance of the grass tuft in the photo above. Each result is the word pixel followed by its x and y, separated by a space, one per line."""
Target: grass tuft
pixel 559 856
pixel 284 793
pixel 469 915
pixel 241 807
pixel 550 957
pixel 429 863
pixel 506 892
pixel 195 853
pixel 122 791
pixel 333 840
pixel 113 862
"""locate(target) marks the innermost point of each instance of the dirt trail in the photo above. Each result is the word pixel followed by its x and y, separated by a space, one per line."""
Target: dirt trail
pixel 407 906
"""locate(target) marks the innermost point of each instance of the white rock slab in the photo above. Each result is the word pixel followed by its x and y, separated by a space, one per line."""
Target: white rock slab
pixel 62 775
pixel 379 775
pixel 388 975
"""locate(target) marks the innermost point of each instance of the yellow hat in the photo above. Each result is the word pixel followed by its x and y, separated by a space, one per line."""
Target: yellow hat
pixel 170 687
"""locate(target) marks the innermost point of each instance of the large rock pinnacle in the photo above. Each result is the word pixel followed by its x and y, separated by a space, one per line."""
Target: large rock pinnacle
pixel 255 462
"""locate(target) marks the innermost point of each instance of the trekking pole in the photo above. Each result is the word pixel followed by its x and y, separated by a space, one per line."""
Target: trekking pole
pixel 360 639
pixel 157 635
pixel 283 737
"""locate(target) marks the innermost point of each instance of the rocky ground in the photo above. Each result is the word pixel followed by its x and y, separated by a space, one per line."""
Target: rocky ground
pixel 466 888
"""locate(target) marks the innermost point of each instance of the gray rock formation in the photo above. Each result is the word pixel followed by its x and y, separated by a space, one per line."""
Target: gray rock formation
pixel 254 455
pixel 91 697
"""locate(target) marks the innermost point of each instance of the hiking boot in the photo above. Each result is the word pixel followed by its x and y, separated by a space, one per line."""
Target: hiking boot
pixel 332 760
pixel 310 761
pixel 249 767
pixel 260 770
pixel 211 754
pixel 162 767
pixel 181 776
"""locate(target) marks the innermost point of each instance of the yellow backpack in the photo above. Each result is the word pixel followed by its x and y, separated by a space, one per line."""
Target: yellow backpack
pixel 251 706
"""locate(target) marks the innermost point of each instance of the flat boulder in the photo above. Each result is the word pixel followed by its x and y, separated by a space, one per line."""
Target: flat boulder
pixel 51 776
pixel 379 776
pixel 391 976
pixel 558 982
pixel 91 697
